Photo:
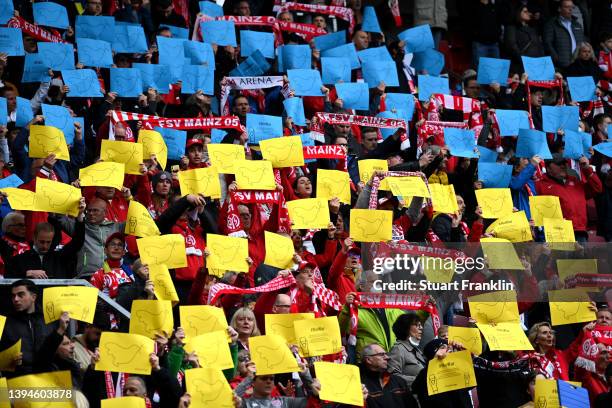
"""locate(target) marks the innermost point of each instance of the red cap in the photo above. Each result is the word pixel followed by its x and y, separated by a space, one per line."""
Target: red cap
pixel 115 235
pixel 192 142
pixel 305 264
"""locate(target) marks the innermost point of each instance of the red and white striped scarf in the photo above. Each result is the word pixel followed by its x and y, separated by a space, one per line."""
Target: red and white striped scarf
pixel 219 289
pixel 248 83
pixel 150 121
pixel 395 10
pixel 344 13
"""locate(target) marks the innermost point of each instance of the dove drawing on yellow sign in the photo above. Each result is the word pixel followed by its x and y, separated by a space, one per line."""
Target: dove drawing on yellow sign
pixel 279 250
pixel 223 156
pixel 128 153
pixel 20 198
pixel 200 181
pixel 271 355
pixel 371 225
pixel 55 197
pixel 212 349
pixel 139 222
pixel 333 184
pixel 283 151
pixel 309 213
pixel 208 388
pixel 46 140
pixel 103 174
pixel 228 253
pixel 151 317
pixel 495 202
pixel 166 249
pixel 339 383
pixel 125 353
pixel 153 144
pixel 254 175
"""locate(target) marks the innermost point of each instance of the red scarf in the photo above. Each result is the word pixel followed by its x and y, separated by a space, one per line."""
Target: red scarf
pixel 344 13
pixel 219 289
pixel 589 352
pixel 149 121
pixel 270 198
pixel 435 129
pixel 34 30
pixel 19 247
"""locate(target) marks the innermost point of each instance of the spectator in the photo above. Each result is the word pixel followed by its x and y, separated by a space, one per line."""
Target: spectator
pixel 521 39
pixel 406 358
pixel 243 321
pixel 562 35
pixel 486 30
pixel 584 63
pixel 434 13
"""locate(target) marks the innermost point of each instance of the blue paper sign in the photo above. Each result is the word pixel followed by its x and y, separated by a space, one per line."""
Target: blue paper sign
pixel 374 54
pixel 7 11
pixel 171 51
pixel 574 144
pixel 582 89
pixel 94 53
pixel 539 69
pixel 429 61
pixel 3 111
pixel 24 112
pixel 11 42
pixel 571 396
pixel 129 39
pixel 262 127
pixel 493 71
pixel 254 65
pixel 95 28
pixel 417 38
pixel 218 32
pixel 199 53
pixel 560 117
pixel 126 82
pixel 335 69
pixel 354 95
pixel 256 40
pixel 604 148
pixel 175 141
pixel 56 56
pixel 82 83
pixel 294 57
pixel 12 180
pixel 370 21
pixel 510 121
pixel 400 101
pixel 217 135
pixel 60 117
pixel 211 9
pixel 532 142
pixel 295 110
pixel 307 139
pixel 305 82
pixel 382 71
pixel 346 51
pixel 494 175
pixel 386 132
pixel 486 155
pixel 429 85
pixel 154 76
pixel 50 14
pixel 329 41
pixel 198 78
pixel 177 32
pixel 461 142
pixel 34 69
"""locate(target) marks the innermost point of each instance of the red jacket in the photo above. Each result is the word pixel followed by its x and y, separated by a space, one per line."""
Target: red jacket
pixel 337 280
pixel 194 247
pixel 596 384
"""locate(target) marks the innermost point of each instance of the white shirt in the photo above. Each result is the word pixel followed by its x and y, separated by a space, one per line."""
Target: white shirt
pixel 567 23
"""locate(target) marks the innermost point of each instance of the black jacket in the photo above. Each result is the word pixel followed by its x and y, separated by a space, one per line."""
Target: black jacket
pixel 558 43
pixel 450 399
pixel 48 360
pixel 394 394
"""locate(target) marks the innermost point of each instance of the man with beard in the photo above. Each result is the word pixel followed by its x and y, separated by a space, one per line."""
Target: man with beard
pixel 86 344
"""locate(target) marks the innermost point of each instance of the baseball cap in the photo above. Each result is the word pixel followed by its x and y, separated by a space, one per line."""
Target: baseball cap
pixel 194 141
pixel 115 235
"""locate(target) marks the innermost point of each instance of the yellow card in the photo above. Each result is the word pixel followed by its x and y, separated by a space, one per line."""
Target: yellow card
pixel 513 227
pixel 139 221
pixel 228 253
pixel 469 337
pixel 543 206
pixel 438 269
pixel 453 372
pixel 216 272
pixel 254 175
pixel 150 317
pixel 7 356
pixel 495 202
pixel 505 336
pixel 123 402
pixel 2 323
pixel 212 349
pixel 222 156
pixel 271 355
pixel 60 380
pixel 79 301
pixel 546 393
pixel 127 153
pixel 334 184
pixel 45 140
pixel 103 174
pixel 4 400
pixel 569 306
pixel 153 144
pixel 494 307
pixel 408 186
pixel 125 353
pixel 20 198
pixel 318 337
pixel 339 383
pixel 560 234
pixel 371 225
pixel 283 151
pixel 443 198
pixel 282 324
pixel 162 283
pixel 208 388
pixel 369 166
pixel 308 213
pixel 53 196
pixel 279 250
pixel 166 249
pixel 202 319
pixel 500 254
pixel 204 180
pixel 570 267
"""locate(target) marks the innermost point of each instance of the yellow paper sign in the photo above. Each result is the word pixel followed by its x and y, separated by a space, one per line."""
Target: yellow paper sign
pixel 500 254
pixel 127 153
pixel 570 267
pixel 8 356
pixel 228 253
pixel 543 206
pixel 318 337
pixel 505 336
pixel 546 394
pixel 453 372
pixel 150 317
pixel 308 213
pixel 153 144
pixel 254 175
pixel 20 198
pixel 162 283
pixel 212 349
pixel 204 180
pixel 139 221
pixel 279 250
pixel 369 166
pixel 123 402
pixel 271 355
pixel 569 306
pixel 494 307
pixel 443 198
pixel 468 337
pixel 79 301
pixel 166 249
pixel 103 174
pixel 53 196
pixel 208 388
pixel 202 319
pixel 495 202
pixel 282 324
pixel 438 269
pixel 223 156
pixel 339 383
pixel 371 225
pixel 408 186
pixel 513 227
pixel 283 151
pixel 560 233
pixel 125 353
pixel 4 400
pixel 45 140
pixel 60 380
pixel 2 323
pixel 333 184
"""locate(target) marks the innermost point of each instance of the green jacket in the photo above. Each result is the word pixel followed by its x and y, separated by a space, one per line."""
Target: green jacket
pixel 176 361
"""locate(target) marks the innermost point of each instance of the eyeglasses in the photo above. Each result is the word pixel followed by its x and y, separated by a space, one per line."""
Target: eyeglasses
pixel 116 244
pixel 383 354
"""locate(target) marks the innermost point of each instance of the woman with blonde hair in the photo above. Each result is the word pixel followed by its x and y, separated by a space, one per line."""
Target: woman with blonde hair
pixel 584 63
pixel 243 321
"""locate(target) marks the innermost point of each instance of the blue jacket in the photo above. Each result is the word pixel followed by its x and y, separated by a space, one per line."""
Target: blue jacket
pixel 520 197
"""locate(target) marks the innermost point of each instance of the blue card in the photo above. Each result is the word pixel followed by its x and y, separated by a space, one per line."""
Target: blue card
pixel 560 117
pixel 24 112
pixel 370 21
pixel 604 148
pixel 94 53
pixel 354 95
pixel 171 51
pixel 329 41
pixel 177 32
pixel 386 132
pixel 11 181
pixel 211 9
pixel 7 11
pixel 56 56
pixel 295 110
pixel 486 155
pixel 126 82
pixel 582 89
pixel 417 38
pixel 400 101
pixel 217 135
pixel 256 40
pixel 587 142
pixel 175 141
pixel 294 57
pixel 374 54
pixel 532 142
pixel 59 117
pixel 11 42
pixel 429 61
pixel 307 140
pixel 493 71
pixel 375 72
pixel 129 39
pixel 254 65
pixel 494 175
pixel 346 51
pixel 539 69
pixel 34 69
pixel 50 14
pixel 3 111
pixel 335 69
pixel 199 53
pixel 218 32
pixel 154 76
pixel 198 78
pixel 574 144
pixel 429 85
pixel 262 127
pixel 510 121
pixel 82 83
pixel 461 142
pixel 96 28
pixel 305 82
pixel 571 396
